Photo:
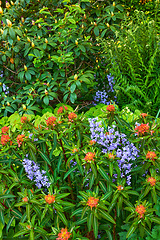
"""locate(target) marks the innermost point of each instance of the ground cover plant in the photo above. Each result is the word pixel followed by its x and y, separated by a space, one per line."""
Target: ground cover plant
pixel 63 177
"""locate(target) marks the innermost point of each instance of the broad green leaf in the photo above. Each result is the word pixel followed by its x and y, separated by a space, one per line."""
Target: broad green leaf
pixel 106 216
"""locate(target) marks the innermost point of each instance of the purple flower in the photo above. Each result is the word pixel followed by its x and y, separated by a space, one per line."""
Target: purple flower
pixel 34 173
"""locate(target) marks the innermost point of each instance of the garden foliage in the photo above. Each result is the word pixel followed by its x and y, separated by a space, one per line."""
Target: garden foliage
pixel 64 176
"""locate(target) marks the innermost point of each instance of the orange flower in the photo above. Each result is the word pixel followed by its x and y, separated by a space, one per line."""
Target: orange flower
pixel 111 156
pixel 24 119
pixel 120 188
pixel 92 142
pixel 61 109
pixel 111 108
pixel 151 155
pixel 143 128
pixel 20 139
pixel 152 181
pixel 4 129
pixel 74 150
pixel 28 227
pixel 143 115
pixel 92 202
pixel 90 157
pixel 51 121
pixel 50 198
pixel 5 139
pixel 140 209
pixel 71 116
pixel 25 199
pixel 64 234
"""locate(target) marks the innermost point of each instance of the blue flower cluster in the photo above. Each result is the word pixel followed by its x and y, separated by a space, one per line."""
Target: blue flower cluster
pixel 34 173
pixel 111 140
pixel 4 87
pixel 103 96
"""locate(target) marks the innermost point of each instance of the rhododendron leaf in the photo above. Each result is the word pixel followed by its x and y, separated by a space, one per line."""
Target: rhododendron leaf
pixel 91 181
pixel 79 222
pixel 103 173
pixel 2 217
pixel 5 196
pixel 22 232
pixel 90 221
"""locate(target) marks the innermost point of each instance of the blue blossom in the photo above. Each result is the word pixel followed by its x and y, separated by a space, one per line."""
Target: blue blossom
pixel 34 173
pixel 107 94
pixel 125 151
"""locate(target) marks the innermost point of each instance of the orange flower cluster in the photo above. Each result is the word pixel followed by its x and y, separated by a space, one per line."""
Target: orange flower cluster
pixel 92 142
pixel 20 139
pixel 140 209
pixel 92 202
pixel 5 139
pixel 143 115
pixel 151 155
pixel 111 108
pixel 71 116
pixel 25 199
pixel 90 157
pixel 74 150
pixel 24 119
pixel 152 181
pixel 5 129
pixel 64 234
pixel 120 188
pixel 142 129
pixel 50 198
pixel 111 156
pixel 51 121
pixel 61 109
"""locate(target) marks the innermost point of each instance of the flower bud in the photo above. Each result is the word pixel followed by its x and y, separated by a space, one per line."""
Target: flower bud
pixel 75 77
pixel 76 42
pixel 9 23
pixel 55 20
pixel 108 25
pixel 33 22
pixel 46 41
pixel 12 3
pixel 46 92
pixel 8 104
pixel 25 68
pixel 24 107
pixel 7 5
pixel 12 60
pixel 2 31
pixel 39 25
pixel 18 38
pixel 114 4
pixel 39 37
pixel 112 14
pixel 28 39
pixel 1 11
pixel 22 19
pixel 32 44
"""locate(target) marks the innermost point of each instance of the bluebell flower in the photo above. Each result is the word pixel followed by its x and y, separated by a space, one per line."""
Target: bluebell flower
pixel 34 173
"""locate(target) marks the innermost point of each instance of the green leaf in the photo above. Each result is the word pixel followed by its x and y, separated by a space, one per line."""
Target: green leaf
pixel 16 213
pixel 44 157
pixel 37 53
pixel 63 218
pixel 32 155
pixel 2 217
pixel 22 232
pixel 46 100
pixel 9 223
pixel 94 170
pixel 90 221
pixel 82 48
pixel 81 221
pixel 95 226
pixel 96 31
pixel 31 146
pixel 131 230
pixel 155 219
pixel 106 195
pixel 70 171
pixel 28 75
pixel 103 173
pixel 12 33
pixel 106 216
pixel 21 76
pixel 7 196
pixel 73 87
